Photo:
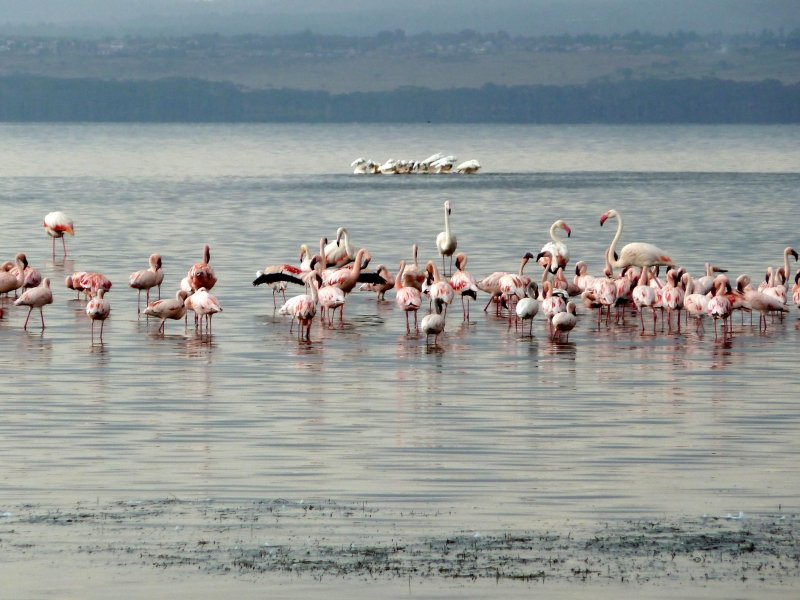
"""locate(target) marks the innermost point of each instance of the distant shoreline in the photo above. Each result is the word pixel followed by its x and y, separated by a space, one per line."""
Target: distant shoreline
pixel 25 98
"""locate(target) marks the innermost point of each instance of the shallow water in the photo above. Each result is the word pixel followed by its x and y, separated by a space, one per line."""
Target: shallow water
pixel 493 430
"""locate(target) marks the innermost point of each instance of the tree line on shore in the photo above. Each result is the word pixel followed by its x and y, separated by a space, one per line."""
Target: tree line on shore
pixel 25 98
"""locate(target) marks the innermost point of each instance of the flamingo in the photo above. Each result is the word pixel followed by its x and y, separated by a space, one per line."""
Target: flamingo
pixel 446 242
pixel 92 282
pixel 643 295
pixel 98 309
pixel 36 298
pixel 146 279
pixel 602 293
pixel 556 249
pixel 463 284
pixel 719 306
pixel 672 296
pixel 204 305
pixel 528 307
pixel 582 279
pixel 564 322
pixel 703 285
pixel 407 297
pixel 168 309
pixel 32 277
pixel 56 224
pixel 796 289
pixel 696 304
pixel 439 288
pixel 413 276
pixel 13 279
pixel 330 298
pixel 491 283
pixel 279 284
pixel 380 288
pixel 340 251
pixel 552 304
pixel 303 308
pixel 637 254
pixel 760 301
pixel 201 275
pixel 433 323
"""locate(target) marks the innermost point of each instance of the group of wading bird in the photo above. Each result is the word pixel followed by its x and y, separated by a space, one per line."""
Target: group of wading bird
pixel 338 268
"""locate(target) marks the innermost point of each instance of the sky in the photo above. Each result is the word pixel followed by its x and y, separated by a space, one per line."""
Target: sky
pixel 362 17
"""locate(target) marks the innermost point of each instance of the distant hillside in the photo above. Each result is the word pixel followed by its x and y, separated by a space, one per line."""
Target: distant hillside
pixel 393 59
pixel 27 98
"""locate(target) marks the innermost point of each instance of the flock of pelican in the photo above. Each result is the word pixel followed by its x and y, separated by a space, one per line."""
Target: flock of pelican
pixel 630 281
pixel 436 163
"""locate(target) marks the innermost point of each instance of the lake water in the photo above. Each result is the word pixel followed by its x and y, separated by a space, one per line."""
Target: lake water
pixel 490 430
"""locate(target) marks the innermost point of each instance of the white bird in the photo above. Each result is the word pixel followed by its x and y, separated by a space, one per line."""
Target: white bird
pixel 556 249
pixel 468 167
pixel 98 309
pixel 637 254
pixel 340 251
pixel 446 242
pixel 564 322
pixel 528 307
pixel 56 224
pixel 433 324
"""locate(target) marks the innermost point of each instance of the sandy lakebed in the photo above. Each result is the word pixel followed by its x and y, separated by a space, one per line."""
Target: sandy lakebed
pixel 204 549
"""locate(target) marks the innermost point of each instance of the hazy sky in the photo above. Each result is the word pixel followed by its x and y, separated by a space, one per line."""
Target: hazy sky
pixel 524 17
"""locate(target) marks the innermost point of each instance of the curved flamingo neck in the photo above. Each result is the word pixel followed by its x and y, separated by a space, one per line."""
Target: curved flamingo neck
pixel 435 271
pixel 612 248
pixel 553 233
pixel 398 280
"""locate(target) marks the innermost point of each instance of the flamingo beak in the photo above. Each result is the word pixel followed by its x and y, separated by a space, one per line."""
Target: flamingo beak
pixel 568 230
pixel 603 219
pixel 795 255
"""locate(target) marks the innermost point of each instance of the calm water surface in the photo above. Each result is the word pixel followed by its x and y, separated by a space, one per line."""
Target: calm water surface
pixel 494 430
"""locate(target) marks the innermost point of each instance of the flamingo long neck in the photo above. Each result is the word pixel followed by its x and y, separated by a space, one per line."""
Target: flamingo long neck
pixel 522 264
pixel 553 230
pixel 206 254
pixel 352 279
pixel 435 271
pixel 398 280
pixel 323 258
pixel 786 254
pixel 414 256
pixel 314 286
pixel 346 242
pixel 612 248
pixel 447 225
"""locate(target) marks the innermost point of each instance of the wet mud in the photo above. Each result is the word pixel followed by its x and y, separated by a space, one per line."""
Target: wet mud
pixel 325 539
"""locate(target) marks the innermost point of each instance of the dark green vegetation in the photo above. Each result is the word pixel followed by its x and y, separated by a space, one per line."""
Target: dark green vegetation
pixel 393 77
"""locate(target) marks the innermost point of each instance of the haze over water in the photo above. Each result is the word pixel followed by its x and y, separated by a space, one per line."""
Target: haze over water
pixel 495 431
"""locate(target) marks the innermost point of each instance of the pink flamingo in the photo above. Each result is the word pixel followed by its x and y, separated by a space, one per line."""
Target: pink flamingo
pixel 32 277
pixel 201 275
pixel 36 297
pixel 672 297
pixel 440 289
pixel 796 289
pixel 720 307
pixel 555 249
pixel 552 304
pixel 91 282
pixel 147 279
pixel 644 295
pixel 380 288
pixel 14 278
pixel 695 304
pixel 463 284
pixel 760 301
pixel 204 306
pixel 407 297
pixel 638 254
pixel 98 309
pixel 491 283
pixel 56 224
pixel 413 276
pixel 564 322
pixel 174 309
pixel 303 308
pixel 278 285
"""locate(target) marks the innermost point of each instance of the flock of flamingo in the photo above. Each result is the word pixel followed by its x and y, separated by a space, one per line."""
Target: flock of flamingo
pixel 335 271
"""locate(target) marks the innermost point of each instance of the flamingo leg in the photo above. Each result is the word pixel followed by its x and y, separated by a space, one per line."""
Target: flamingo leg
pixel 63 243
pixel 41 314
pixel 29 315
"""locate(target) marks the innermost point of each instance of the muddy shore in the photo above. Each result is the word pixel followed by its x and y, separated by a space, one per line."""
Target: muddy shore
pixel 326 540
